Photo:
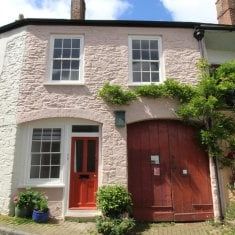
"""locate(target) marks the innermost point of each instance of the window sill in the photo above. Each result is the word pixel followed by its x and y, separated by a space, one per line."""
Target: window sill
pixel 42 185
pixel 64 84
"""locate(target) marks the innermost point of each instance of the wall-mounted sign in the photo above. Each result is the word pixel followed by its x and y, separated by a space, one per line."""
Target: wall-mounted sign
pixel 155 159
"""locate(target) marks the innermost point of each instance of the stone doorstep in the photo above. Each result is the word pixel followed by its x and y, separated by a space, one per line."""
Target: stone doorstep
pixel 12 231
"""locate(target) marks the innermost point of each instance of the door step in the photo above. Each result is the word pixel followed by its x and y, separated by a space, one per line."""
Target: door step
pixel 82 214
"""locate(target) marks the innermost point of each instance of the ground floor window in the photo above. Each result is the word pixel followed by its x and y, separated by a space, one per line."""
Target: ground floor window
pixel 45 153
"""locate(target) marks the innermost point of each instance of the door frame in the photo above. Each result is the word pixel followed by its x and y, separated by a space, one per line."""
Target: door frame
pixel 73 156
pixel 69 136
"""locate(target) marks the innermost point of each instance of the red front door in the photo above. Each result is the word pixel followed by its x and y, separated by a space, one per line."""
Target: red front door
pixel 83 173
pixel 168 172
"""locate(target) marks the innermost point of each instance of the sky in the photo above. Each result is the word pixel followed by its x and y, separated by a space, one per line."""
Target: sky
pixel 156 10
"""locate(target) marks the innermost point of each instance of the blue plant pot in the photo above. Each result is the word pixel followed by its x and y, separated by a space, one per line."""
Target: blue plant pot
pixel 40 217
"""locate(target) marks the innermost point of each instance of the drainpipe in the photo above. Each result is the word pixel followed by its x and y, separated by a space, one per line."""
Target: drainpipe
pixel 199 35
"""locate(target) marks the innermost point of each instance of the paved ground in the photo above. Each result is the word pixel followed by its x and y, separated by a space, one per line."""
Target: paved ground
pixel 12 226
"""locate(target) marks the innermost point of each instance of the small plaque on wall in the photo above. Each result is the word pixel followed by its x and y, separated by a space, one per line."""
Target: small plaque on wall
pixel 155 159
pixel 156 171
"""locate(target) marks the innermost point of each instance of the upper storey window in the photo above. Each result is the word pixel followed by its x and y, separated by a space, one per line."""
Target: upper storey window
pixel 145 60
pixel 67 59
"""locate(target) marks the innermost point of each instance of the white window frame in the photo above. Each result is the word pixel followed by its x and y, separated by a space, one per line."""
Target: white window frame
pixel 81 68
pixel 161 62
pixel 44 182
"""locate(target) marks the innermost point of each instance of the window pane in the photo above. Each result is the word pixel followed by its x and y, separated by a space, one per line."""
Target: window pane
pixel 136 54
pixel 46 147
pixel 66 64
pixel 55 159
pixel 35 160
pixel 34 172
pixel 45 159
pixel 91 151
pixel 46 134
pixel 145 66
pixel 85 128
pixel 146 77
pixel 76 43
pixel 136 66
pixel 55 172
pixel 58 43
pixel 75 53
pixel 75 64
pixel 45 170
pixel 36 145
pixel 144 44
pixel 154 55
pixel 155 77
pixel 55 147
pixel 136 44
pixel 136 76
pixel 145 55
pixel 65 75
pixel 57 64
pixel 66 53
pixel 67 43
pixel 75 75
pixel 56 134
pixel 154 66
pixel 153 44
pixel 37 133
pixel 56 75
pixel 79 155
pixel 57 53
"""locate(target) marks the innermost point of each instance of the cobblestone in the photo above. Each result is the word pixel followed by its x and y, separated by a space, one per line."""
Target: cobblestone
pixel 17 226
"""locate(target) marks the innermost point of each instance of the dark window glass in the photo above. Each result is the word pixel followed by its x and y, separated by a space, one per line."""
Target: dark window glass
pixel 46 147
pixel 45 172
pixel 75 75
pixel 155 77
pixel 65 75
pixel 56 75
pixel 91 152
pixel 146 77
pixel 145 66
pixel 76 43
pixel 79 155
pixel 55 172
pixel 37 134
pixel 45 159
pixel 58 43
pixel 144 44
pixel 67 43
pixel 88 128
pixel 35 159
pixel 136 44
pixel 36 147
pixel 57 53
pixel 136 66
pixel 34 172
pixel 154 44
pixel 136 76
pixel 55 159
pixel 136 54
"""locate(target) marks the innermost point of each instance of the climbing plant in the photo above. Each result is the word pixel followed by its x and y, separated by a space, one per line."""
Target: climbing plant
pixel 204 102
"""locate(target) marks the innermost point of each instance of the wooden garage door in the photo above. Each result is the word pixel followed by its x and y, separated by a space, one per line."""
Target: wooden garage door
pixel 168 172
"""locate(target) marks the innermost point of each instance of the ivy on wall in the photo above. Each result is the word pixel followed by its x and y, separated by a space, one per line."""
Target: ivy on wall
pixel 203 102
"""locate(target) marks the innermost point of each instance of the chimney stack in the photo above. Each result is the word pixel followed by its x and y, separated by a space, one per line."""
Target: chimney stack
pixel 226 11
pixel 78 9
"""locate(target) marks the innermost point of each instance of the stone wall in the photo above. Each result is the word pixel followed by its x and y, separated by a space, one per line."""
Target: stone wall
pixel 9 80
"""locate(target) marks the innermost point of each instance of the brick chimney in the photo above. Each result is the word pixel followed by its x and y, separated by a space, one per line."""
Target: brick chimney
pixel 226 11
pixel 78 9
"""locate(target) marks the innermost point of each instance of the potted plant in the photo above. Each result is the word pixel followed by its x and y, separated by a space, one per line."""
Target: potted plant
pixel 41 210
pixel 25 203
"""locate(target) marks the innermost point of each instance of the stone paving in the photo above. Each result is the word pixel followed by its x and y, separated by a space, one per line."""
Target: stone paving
pixel 12 226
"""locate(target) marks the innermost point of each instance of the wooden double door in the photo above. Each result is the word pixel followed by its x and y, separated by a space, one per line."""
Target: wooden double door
pixel 168 172
pixel 83 173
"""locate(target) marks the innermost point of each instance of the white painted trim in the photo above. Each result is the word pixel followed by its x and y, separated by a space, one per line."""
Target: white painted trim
pixel 66 210
pixel 161 59
pixel 49 81
pixel 43 182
